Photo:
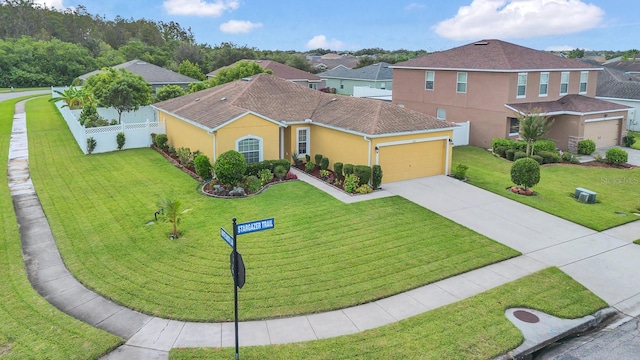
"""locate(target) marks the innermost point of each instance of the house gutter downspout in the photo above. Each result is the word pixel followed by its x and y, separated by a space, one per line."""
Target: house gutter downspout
pixel 369 154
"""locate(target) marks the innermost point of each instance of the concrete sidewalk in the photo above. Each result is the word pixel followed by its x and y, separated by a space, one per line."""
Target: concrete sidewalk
pixel 604 262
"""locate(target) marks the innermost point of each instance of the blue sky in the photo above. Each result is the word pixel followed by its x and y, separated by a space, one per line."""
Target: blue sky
pixel 408 24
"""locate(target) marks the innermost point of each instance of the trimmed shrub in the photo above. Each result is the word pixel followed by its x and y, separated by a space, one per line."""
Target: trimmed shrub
pixel 185 157
pixel 252 183
pixel 519 155
pixel 324 174
pixel 280 172
pixel 203 166
pixel 348 169
pixel 307 157
pixel 337 168
pixel 586 147
pixel 318 158
pixel 497 142
pixel 544 145
pixel 460 171
pixel 549 157
pixel 324 163
pixel 628 140
pixel 615 156
pixel 120 139
pixel 570 158
pixel 364 189
pixel 501 151
pixel 161 141
pixel 229 167
pixel 519 146
pixel 525 172
pixel 363 172
pixel 91 145
pixel 281 162
pixel 309 167
pixel 376 176
pixel 351 182
pixel 265 176
pixel 538 159
pixel 509 154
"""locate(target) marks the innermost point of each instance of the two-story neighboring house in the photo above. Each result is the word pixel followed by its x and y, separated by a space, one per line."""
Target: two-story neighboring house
pixel 492 82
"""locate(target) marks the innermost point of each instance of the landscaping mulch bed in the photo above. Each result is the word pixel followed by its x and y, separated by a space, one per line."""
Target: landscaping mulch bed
pixel 316 174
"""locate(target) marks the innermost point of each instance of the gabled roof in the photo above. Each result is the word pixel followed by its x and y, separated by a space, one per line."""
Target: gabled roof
pixel 280 100
pixel 280 70
pixel 617 84
pixel 572 104
pixel 374 72
pixel 627 66
pixel 152 74
pixel 493 55
pixel 348 62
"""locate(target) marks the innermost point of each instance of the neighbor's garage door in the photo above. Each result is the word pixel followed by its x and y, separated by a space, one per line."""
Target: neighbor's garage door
pixel 410 161
pixel 603 133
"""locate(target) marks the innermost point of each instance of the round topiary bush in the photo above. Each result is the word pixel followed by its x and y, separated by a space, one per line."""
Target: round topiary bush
pixel 229 167
pixel 525 172
pixel 586 147
pixel 203 166
pixel 615 156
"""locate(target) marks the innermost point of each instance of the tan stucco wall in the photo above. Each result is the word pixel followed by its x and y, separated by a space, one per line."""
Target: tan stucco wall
pixel 250 125
pixel 183 134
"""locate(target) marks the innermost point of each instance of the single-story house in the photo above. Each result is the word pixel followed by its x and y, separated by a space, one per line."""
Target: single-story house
pixel 155 75
pixel 266 117
pixel 286 72
pixel 344 80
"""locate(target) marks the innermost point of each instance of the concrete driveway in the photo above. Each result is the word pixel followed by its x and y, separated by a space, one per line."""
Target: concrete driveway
pixel 604 262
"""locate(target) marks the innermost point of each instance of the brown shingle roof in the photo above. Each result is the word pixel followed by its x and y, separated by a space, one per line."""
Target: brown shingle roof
pixel 568 104
pixel 493 55
pixel 284 101
pixel 280 70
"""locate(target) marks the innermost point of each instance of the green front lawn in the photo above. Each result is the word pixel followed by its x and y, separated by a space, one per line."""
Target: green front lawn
pixel 616 189
pixel 636 134
pixel 30 327
pixel 322 254
pixel 474 328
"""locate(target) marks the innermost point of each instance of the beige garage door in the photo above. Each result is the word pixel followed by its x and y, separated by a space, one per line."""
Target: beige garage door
pixel 603 133
pixel 410 161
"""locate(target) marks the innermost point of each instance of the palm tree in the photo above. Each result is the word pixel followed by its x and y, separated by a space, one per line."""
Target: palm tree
pixel 74 98
pixel 533 127
pixel 172 213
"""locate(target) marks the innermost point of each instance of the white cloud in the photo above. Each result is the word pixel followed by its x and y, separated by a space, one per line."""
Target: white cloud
pixel 559 48
pixel 485 19
pixel 200 7
pixel 320 41
pixel 57 4
pixel 238 26
pixel 414 6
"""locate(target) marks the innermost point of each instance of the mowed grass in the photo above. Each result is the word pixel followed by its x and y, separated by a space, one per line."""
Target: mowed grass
pixel 636 134
pixel 321 255
pixel 474 328
pixel 30 327
pixel 617 189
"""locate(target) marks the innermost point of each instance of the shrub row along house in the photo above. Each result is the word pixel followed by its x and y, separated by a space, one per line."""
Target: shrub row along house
pixel 266 117
pixel 491 83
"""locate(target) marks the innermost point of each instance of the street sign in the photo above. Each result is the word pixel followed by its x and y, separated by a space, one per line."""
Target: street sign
pixel 226 237
pixel 253 226
pixel 241 274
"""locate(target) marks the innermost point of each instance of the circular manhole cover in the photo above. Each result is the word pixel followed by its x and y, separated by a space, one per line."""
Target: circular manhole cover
pixel 526 316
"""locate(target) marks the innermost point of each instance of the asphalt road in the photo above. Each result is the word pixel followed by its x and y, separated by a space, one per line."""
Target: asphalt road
pixel 622 342
pixel 10 95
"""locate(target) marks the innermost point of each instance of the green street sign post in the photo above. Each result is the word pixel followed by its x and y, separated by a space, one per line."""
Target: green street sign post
pixel 237 264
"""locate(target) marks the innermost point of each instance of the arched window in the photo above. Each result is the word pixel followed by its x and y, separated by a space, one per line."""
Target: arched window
pixel 251 147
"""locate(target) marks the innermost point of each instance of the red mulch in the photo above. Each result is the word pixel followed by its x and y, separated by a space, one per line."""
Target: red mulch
pixel 316 174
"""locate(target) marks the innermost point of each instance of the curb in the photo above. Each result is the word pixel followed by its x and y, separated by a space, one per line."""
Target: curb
pixel 585 324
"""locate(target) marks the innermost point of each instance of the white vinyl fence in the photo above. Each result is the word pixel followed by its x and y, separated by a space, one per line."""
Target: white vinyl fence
pixel 461 134
pixel 137 129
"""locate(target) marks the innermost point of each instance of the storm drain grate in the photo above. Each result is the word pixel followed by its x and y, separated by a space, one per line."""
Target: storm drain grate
pixel 526 316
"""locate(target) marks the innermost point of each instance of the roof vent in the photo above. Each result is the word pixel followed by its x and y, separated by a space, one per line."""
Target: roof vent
pixel 334 99
pixel 223 99
pixel 481 43
pixel 247 79
pixel 197 99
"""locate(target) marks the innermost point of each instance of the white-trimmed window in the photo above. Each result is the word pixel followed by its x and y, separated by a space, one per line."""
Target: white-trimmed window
pixel 302 141
pixel 522 85
pixel 441 114
pixel 251 147
pixel 313 86
pixel 584 76
pixel 461 86
pixel 429 80
pixel 564 83
pixel 514 126
pixel 544 84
